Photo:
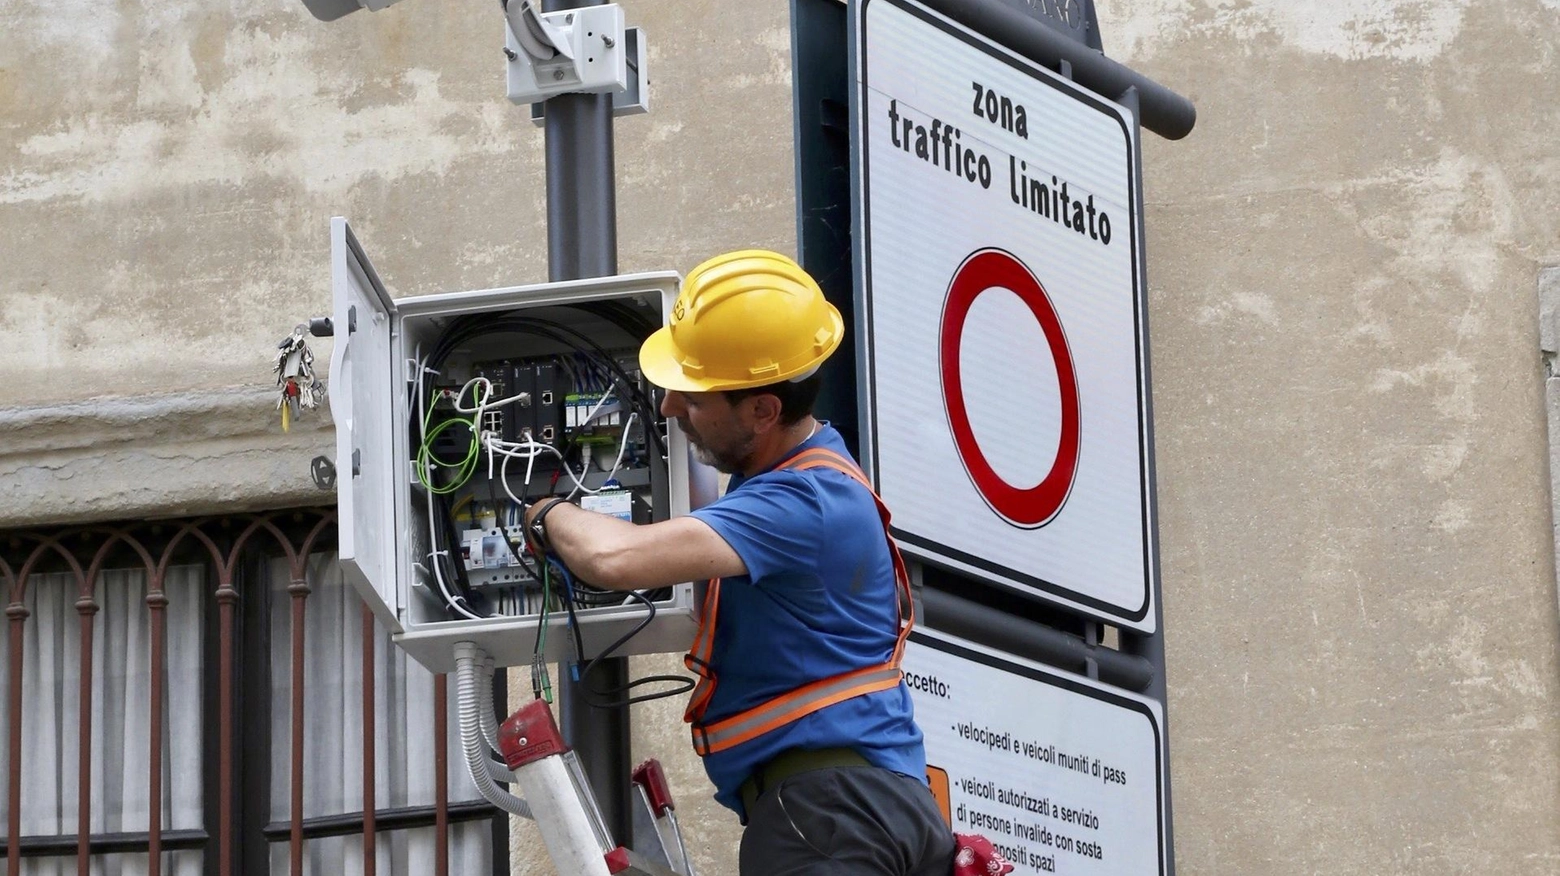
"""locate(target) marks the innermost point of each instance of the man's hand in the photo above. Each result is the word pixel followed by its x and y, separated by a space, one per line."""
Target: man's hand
pixel 618 555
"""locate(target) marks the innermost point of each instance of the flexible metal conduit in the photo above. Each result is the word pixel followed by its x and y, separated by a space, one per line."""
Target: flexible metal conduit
pixel 1000 630
pixel 488 721
pixel 496 768
pixel 468 663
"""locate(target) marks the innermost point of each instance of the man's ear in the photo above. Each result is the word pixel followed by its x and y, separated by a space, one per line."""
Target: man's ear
pixel 766 411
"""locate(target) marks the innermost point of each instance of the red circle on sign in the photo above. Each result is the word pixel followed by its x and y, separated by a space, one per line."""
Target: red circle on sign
pixel 997 269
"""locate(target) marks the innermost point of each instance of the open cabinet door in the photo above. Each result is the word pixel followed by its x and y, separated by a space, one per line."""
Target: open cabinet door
pixel 362 383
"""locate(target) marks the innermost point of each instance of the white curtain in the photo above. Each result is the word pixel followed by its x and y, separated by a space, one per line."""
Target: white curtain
pixel 121 714
pixel 333 738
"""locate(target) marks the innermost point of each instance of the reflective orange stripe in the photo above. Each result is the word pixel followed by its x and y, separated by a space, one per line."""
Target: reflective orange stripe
pixel 757 721
pixel 698 660
pixel 775 713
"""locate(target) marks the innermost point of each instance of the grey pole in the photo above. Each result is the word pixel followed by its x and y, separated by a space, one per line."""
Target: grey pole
pixel 582 242
pixel 1152 647
pixel 1162 111
pixel 1016 635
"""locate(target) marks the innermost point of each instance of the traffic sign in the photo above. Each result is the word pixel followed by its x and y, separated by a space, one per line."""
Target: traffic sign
pixel 996 269
pixel 1062 774
pixel 1000 298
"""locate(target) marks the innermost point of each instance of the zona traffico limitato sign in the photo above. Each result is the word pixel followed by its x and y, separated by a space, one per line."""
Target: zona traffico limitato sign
pixel 1000 299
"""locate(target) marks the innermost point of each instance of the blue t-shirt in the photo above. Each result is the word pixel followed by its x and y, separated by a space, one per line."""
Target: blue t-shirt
pixel 819 599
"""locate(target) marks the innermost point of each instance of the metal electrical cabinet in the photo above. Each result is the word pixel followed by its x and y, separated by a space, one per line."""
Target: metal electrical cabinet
pixel 389 516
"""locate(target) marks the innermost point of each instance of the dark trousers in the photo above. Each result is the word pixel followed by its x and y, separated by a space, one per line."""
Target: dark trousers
pixel 846 821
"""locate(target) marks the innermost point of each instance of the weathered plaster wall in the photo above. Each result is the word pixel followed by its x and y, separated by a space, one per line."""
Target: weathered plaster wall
pixel 167 175
pixel 1343 262
pixel 168 172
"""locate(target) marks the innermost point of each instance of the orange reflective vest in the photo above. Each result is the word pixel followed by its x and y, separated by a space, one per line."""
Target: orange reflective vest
pixel 734 730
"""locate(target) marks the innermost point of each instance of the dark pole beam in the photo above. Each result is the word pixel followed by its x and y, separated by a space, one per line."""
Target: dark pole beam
pixel 1151 648
pixel 582 242
pixel 1162 111
pixel 1026 638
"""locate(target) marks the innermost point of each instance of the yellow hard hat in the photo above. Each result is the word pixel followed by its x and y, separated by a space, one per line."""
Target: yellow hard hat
pixel 744 319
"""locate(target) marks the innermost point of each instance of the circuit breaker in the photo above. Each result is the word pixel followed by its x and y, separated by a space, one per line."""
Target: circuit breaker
pixel 455 411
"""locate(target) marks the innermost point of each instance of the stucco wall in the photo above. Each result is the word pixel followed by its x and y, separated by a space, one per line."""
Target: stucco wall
pixel 1343 262
pixel 1343 265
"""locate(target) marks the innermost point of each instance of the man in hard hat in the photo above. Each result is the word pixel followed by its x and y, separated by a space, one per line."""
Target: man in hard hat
pixel 800 714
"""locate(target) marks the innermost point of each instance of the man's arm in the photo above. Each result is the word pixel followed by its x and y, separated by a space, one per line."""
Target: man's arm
pixel 613 553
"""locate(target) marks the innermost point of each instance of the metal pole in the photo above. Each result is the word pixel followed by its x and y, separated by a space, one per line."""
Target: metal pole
pixel 1151 647
pixel 1036 641
pixel 1163 111
pixel 582 242
pixel 820 100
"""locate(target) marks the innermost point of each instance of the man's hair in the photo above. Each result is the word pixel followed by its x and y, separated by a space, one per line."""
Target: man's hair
pixel 796 399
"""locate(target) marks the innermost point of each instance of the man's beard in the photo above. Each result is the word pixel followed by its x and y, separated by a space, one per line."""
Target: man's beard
pixel 724 461
pixel 705 456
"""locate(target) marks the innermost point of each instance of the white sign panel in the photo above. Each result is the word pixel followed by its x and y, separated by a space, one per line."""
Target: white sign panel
pixel 1062 774
pixel 1000 300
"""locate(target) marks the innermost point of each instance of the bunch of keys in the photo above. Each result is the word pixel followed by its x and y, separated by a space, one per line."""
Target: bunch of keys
pixel 300 389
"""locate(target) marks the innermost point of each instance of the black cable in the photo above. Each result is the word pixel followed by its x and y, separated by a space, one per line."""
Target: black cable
pixel 683 682
pixel 571 592
pixel 574 621
pixel 457 569
pixel 462 580
pixel 633 323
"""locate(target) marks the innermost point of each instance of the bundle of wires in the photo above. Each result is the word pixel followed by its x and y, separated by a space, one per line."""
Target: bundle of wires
pixel 591 367
pixel 443 477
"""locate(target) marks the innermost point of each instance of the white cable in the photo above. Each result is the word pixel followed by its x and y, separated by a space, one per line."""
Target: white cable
pixel 527 450
pixel 622 445
pixel 486 400
pixel 585 451
pixel 480 404
pixel 530 467
pixel 520 449
pixel 448 596
pixel 503 478
pixel 586 455
pixel 530 450
pixel 478 401
pixel 579 486
pixel 603 400
pixel 478 763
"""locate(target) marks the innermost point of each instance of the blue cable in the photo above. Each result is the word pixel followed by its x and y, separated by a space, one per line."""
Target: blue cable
pixel 563 572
